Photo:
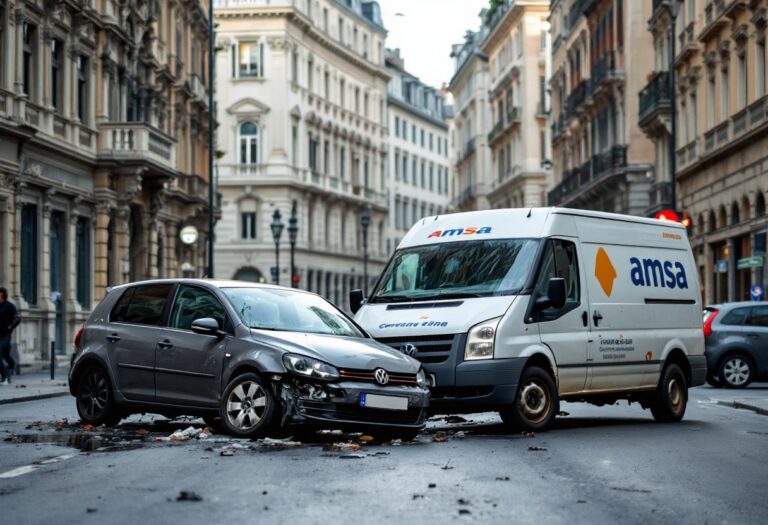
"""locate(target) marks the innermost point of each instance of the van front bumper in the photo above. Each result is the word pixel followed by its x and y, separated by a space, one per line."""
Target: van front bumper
pixel 478 385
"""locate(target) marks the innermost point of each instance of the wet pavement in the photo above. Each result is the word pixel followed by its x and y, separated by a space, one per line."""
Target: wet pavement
pixel 598 465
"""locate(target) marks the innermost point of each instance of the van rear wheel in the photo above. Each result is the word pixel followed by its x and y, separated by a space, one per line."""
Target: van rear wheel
pixel 669 400
pixel 536 403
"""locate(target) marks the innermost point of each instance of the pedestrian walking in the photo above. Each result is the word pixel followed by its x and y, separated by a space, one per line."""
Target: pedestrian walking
pixel 9 319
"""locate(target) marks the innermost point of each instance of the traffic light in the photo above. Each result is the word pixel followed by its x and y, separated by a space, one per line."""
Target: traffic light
pixel 295 281
pixel 668 215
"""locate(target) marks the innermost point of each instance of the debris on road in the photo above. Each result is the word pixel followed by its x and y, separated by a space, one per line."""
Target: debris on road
pixel 537 449
pixel 188 495
pixel 527 434
pixel 502 478
pixel 630 489
pixel 464 511
pixel 447 466
pixel 462 501
pixel 432 485
pixel 184 435
pixel 351 456
pixel 278 443
pixel 455 419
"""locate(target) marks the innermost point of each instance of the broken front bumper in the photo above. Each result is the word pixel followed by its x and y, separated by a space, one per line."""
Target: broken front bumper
pixel 338 404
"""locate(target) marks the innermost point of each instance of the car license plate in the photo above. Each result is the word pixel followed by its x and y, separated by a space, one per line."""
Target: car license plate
pixel 385 402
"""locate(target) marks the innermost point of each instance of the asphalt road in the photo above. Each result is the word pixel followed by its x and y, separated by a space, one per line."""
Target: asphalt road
pixel 599 465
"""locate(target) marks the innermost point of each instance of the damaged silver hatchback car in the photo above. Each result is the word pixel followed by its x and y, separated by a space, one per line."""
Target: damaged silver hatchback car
pixel 247 357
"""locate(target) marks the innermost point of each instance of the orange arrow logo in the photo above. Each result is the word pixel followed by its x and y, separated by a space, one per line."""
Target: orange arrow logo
pixel 604 271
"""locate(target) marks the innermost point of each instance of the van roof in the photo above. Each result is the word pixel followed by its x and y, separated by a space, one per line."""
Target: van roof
pixel 509 223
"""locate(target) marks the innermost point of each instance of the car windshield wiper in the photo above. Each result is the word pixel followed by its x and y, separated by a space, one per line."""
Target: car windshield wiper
pixel 271 328
pixel 392 299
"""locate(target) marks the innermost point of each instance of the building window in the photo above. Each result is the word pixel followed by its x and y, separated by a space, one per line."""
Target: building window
pixel 365 105
pixel 431 178
pixel 295 66
pixel 342 163
pixel 251 59
pixel 82 88
pixel 711 102
pixel 342 88
pixel 724 95
pixel 56 68
pixel 397 166
pixel 29 34
pixel 341 30
pixel 249 143
pixel 405 168
pixel 327 85
pixel 741 99
pixel 398 218
pixel 357 100
pixel 760 69
pixel 423 174
pixel 29 250
pixel 83 261
pixel 312 153
pixel 295 146
pixel 248 225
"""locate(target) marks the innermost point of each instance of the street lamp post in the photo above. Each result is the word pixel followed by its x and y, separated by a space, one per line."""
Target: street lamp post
pixel 293 229
pixel 673 6
pixel 211 123
pixel 365 222
pixel 277 230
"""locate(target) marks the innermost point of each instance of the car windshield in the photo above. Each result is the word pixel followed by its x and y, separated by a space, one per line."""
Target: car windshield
pixel 457 270
pixel 289 311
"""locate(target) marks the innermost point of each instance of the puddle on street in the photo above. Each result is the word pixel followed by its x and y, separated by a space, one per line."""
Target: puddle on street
pixel 83 442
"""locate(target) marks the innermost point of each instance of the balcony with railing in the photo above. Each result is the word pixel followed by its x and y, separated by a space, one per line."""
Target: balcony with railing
pixel 558 127
pixel 513 117
pixel 198 89
pixel 496 131
pixel 465 196
pixel 688 46
pixel 660 197
pixel 654 99
pixel 613 158
pixel 136 141
pixel 603 70
pixel 713 19
pixel 576 98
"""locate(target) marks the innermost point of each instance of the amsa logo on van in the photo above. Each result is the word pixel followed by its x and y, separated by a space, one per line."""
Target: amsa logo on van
pixel 650 272
pixel 454 232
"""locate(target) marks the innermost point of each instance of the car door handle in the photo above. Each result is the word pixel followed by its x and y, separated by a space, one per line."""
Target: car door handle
pixel 113 338
pixel 165 344
pixel 585 318
pixel 596 317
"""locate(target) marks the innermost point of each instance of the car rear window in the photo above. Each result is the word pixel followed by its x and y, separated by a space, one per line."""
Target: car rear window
pixel 142 305
pixel 759 316
pixel 735 317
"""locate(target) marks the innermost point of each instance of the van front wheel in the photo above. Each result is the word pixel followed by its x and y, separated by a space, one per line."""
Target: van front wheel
pixel 536 403
pixel 669 400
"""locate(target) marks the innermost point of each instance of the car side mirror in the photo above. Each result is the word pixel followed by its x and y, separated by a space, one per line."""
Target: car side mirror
pixel 206 326
pixel 355 300
pixel 556 295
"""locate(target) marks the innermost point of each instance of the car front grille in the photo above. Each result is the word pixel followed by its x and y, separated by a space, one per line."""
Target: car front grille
pixel 430 348
pixel 349 412
pixel 367 376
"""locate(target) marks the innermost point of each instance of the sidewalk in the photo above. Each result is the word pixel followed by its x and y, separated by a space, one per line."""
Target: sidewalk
pixel 32 386
pixel 759 405
pixel 754 397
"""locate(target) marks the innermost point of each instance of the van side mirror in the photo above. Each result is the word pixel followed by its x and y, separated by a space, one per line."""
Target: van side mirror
pixel 355 300
pixel 555 297
pixel 206 326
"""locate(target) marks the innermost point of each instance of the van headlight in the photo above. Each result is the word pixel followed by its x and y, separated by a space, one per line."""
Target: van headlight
pixel 481 340
pixel 308 367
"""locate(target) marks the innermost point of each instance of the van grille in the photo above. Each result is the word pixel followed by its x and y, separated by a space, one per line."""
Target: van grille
pixel 431 348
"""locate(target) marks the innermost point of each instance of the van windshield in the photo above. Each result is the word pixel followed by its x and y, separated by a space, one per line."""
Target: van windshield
pixel 456 270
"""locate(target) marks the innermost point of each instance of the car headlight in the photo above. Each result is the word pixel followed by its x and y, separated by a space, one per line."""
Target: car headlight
pixel 421 378
pixel 308 367
pixel 481 340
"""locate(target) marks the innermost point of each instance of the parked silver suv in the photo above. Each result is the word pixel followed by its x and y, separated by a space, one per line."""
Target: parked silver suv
pixel 736 336
pixel 244 356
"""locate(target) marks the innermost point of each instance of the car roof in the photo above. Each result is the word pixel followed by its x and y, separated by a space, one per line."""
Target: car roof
pixel 218 283
pixel 739 304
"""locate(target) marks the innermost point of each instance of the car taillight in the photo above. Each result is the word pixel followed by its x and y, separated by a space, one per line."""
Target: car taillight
pixel 708 322
pixel 78 338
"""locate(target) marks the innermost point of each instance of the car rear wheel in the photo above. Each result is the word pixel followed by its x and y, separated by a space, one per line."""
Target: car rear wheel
pixel 536 403
pixel 247 407
pixel 95 404
pixel 670 399
pixel 736 372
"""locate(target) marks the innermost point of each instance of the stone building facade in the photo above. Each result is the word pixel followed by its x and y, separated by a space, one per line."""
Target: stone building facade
pixel 601 60
pixel 721 150
pixel 420 174
pixel 472 122
pixel 302 94
pixel 519 64
pixel 103 154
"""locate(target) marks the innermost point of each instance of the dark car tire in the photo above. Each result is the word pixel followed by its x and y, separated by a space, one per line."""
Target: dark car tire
pixel 94 399
pixel 243 413
pixel 714 381
pixel 670 399
pixel 536 403
pixel 214 423
pixel 736 371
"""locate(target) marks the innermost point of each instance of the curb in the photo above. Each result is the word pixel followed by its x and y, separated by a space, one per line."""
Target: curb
pixel 33 397
pixel 745 406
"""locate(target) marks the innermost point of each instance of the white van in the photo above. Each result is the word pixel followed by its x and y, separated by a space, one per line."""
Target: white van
pixel 513 310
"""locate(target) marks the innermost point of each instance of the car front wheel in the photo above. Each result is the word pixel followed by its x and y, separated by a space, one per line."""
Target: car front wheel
pixel 95 404
pixel 247 407
pixel 736 372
